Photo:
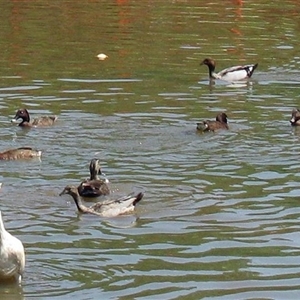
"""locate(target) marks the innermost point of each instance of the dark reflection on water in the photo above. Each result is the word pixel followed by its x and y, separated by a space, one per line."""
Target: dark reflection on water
pixel 220 216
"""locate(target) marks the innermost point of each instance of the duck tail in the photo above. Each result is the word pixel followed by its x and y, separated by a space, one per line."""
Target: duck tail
pixel 138 198
pixel 252 69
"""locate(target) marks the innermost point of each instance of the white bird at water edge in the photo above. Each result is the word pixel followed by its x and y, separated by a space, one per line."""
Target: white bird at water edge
pixel 12 255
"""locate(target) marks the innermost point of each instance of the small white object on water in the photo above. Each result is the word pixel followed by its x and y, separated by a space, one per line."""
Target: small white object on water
pixel 12 255
pixel 102 56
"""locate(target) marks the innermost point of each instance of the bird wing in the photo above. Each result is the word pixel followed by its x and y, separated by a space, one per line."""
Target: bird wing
pixel 44 120
pixel 236 73
pixel 12 259
pixel 231 69
pixel 116 207
pixel 93 188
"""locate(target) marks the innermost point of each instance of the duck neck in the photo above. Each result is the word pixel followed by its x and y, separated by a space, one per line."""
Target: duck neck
pixel 78 202
pixel 211 70
pixel 221 119
pixel 94 173
pixel 23 122
pixel 26 117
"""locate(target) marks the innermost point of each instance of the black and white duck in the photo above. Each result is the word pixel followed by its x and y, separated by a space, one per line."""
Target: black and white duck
pixel 232 74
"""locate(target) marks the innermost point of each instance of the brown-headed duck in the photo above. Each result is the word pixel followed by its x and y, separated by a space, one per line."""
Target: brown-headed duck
pixel 94 186
pixel 12 255
pixel 231 74
pixel 37 122
pixel 20 153
pixel 219 123
pixel 107 208
pixel 295 120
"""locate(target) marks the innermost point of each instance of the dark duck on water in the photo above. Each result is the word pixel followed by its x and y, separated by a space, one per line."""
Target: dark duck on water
pixel 219 123
pixel 37 122
pixel 94 186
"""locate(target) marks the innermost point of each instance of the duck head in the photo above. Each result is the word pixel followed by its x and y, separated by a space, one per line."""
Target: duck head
pixel 202 126
pixel 69 190
pixel 21 114
pixel 72 190
pixel 295 120
pixel 210 63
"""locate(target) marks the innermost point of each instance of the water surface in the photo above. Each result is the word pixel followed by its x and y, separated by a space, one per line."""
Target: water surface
pixel 220 215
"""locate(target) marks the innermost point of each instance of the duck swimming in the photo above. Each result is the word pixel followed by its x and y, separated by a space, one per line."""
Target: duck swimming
pixel 295 120
pixel 37 122
pixel 12 255
pixel 231 74
pixel 94 186
pixel 20 153
pixel 107 208
pixel 219 123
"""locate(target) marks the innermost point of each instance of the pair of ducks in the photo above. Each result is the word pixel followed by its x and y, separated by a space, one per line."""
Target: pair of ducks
pixel 94 187
pixel 232 74
pixel 27 152
pixel 221 121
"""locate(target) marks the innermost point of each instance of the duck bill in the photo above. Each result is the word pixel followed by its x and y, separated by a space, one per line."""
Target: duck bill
pixel 63 192
pixel 202 126
pixel 14 120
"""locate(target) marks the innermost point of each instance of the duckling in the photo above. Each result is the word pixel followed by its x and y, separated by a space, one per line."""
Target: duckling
pixel 219 123
pixel 20 153
pixel 231 74
pixel 37 122
pixel 107 208
pixel 12 255
pixel 94 186
pixel 295 120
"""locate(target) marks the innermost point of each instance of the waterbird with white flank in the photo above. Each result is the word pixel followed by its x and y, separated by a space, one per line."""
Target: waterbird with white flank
pixel 232 74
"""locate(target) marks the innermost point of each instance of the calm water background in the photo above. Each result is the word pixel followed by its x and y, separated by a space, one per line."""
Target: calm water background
pixel 220 218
